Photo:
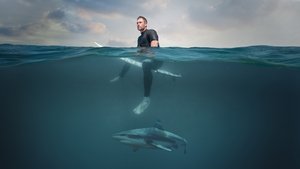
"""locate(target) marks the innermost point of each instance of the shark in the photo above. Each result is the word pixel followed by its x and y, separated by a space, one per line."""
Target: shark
pixel 152 138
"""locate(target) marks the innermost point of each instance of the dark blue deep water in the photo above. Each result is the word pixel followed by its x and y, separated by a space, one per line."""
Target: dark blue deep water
pixel 238 108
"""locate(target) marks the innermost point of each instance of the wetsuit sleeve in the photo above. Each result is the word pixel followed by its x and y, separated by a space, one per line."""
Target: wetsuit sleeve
pixel 152 35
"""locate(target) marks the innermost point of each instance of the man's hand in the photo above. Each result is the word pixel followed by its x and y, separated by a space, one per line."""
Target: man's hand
pixel 154 43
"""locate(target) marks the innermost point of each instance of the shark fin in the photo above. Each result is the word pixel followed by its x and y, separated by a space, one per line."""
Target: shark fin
pixel 161 147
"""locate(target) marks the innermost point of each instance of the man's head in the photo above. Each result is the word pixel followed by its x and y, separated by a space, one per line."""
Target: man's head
pixel 141 23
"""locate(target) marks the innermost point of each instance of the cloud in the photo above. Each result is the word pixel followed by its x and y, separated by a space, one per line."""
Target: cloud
pixel 28 29
pixel 103 6
pixel 66 20
pixel 155 5
pixel 72 22
pixel 54 25
pixel 29 2
pixel 96 27
pixel 230 13
pixel 116 43
pixel 57 14
pixel 23 19
pixel 132 8
pixel 10 31
pixel 178 23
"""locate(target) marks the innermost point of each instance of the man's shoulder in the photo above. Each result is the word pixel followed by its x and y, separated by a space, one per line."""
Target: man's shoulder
pixel 151 31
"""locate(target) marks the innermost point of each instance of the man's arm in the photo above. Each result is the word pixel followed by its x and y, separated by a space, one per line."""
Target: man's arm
pixel 153 38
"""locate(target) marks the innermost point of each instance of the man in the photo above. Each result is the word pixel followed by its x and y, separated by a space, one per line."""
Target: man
pixel 148 38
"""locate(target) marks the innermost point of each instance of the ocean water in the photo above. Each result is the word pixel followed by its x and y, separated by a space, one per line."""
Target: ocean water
pixel 238 107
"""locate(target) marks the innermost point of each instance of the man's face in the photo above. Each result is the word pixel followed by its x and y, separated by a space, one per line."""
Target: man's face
pixel 141 25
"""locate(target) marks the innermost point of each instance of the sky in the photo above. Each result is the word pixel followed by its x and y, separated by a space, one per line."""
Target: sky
pixel 188 23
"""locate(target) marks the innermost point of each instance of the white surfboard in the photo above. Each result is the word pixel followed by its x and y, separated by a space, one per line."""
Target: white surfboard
pixel 139 64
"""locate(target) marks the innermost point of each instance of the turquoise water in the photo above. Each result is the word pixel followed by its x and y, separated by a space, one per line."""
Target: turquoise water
pixel 237 107
pixel 268 55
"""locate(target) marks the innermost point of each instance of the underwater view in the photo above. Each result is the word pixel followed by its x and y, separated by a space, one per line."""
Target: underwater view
pixel 231 108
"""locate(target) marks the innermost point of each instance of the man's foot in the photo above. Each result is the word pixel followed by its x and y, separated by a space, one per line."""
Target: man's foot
pixel 142 106
pixel 115 79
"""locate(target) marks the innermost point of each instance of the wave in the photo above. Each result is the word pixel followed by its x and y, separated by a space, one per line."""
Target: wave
pixel 13 55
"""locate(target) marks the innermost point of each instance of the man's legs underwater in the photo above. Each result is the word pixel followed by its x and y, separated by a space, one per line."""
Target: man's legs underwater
pixel 122 73
pixel 148 65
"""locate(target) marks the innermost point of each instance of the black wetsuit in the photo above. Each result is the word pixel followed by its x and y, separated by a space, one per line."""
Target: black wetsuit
pixel 146 37
pixel 149 64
